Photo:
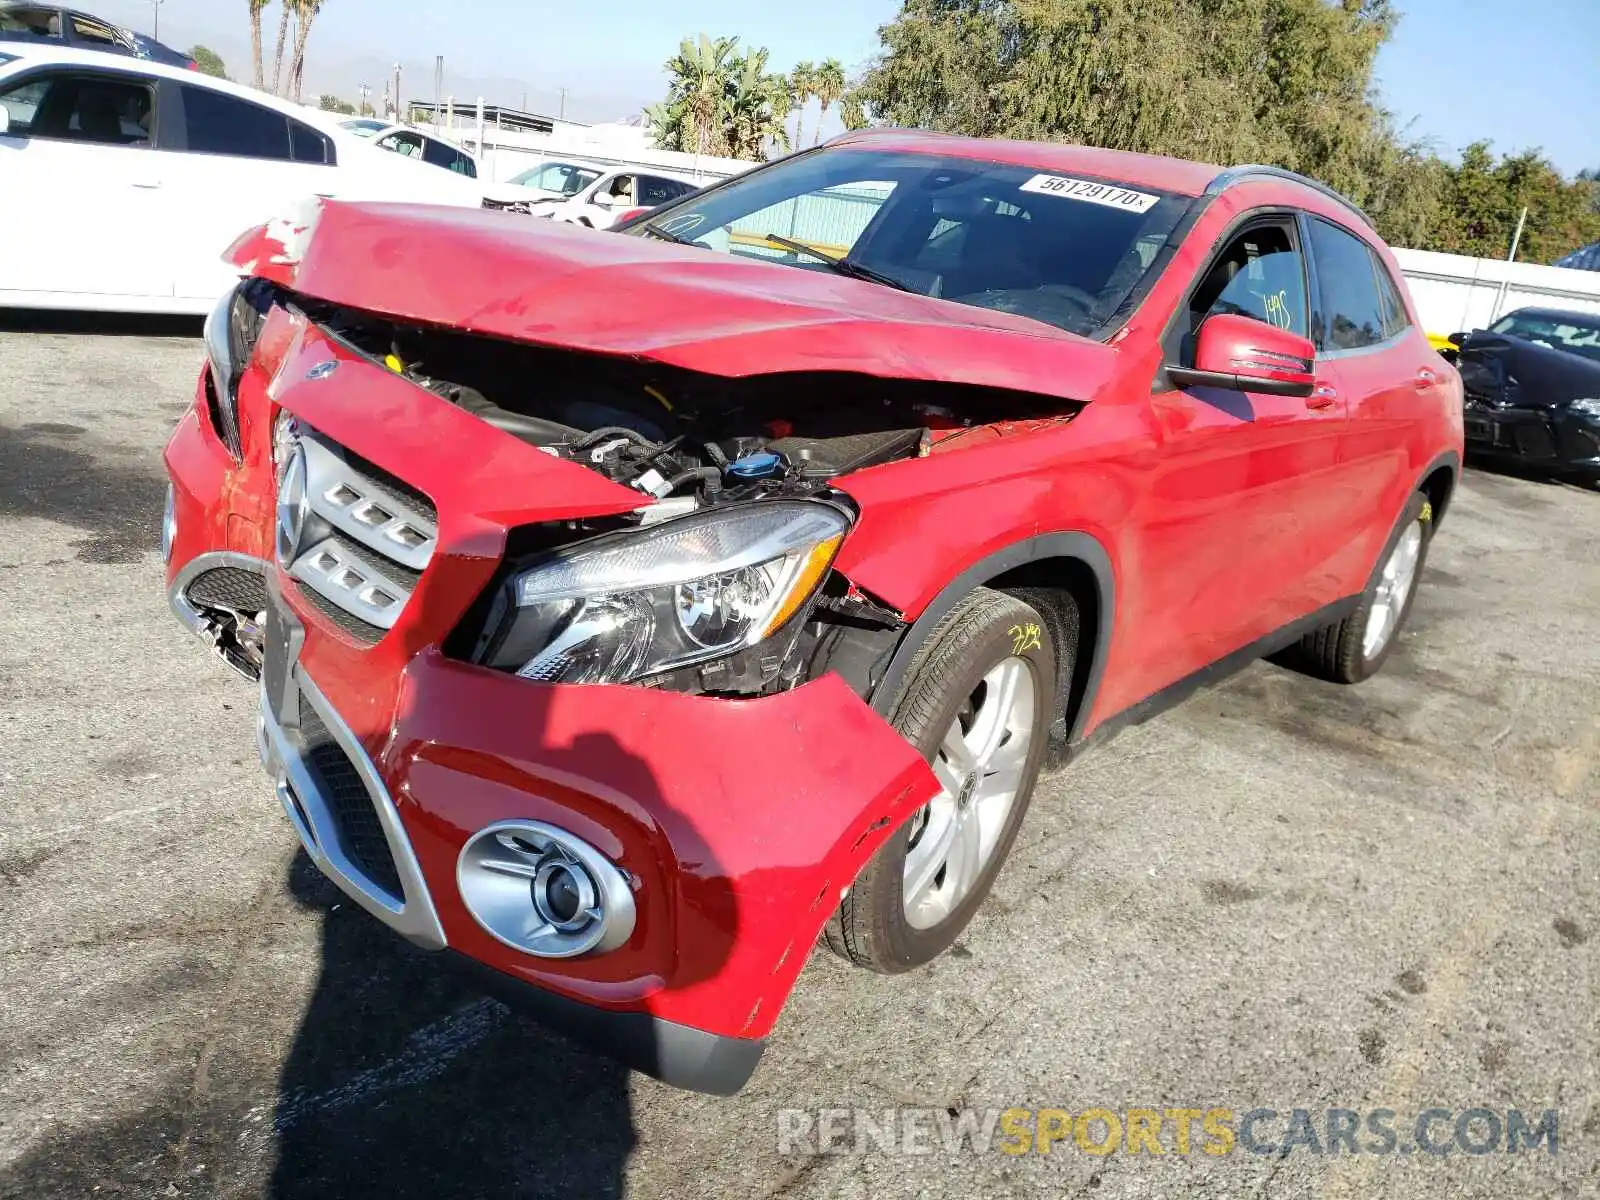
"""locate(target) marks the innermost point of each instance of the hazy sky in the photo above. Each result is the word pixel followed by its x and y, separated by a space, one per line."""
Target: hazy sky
pixel 1523 74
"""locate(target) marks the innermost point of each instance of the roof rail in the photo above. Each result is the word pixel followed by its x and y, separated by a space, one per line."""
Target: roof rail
pixel 1240 174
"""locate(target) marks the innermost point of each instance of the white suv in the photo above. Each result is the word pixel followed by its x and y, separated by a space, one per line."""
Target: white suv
pixel 601 204
pixel 135 177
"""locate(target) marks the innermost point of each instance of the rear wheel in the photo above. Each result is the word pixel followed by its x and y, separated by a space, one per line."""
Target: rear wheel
pixel 977 703
pixel 1353 649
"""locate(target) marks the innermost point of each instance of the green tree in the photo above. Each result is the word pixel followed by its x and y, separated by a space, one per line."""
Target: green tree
pixel 802 86
pixel 720 102
pixel 853 109
pixel 209 61
pixel 1278 81
pixel 333 104
pixel 1484 196
pixel 828 85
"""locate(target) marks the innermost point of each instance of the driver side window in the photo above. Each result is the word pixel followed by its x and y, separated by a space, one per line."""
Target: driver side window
pixel 1259 274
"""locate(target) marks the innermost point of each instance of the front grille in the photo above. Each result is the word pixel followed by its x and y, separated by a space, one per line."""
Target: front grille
pixel 346 623
pixel 365 542
pixel 233 588
pixel 356 822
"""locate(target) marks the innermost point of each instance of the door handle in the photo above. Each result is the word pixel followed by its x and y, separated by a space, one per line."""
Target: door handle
pixel 1426 379
pixel 1324 397
pixel 147 184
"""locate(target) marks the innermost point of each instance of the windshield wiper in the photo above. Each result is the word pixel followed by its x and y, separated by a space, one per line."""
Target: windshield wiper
pixel 842 265
pixel 666 236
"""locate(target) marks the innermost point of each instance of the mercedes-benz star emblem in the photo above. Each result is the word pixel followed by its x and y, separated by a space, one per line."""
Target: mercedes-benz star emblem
pixel 291 505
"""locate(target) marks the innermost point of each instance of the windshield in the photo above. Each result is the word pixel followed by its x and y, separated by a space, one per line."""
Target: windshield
pixel 1063 250
pixel 564 178
pixel 363 128
pixel 1576 333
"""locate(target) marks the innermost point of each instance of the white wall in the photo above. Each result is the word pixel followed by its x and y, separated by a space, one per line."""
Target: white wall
pixel 1454 292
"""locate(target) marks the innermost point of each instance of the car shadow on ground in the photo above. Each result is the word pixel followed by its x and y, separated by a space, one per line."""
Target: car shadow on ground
pixel 404 1080
pixel 1511 468
pixel 37 320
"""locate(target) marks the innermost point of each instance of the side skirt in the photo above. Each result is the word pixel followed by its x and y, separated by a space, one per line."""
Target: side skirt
pixel 1209 676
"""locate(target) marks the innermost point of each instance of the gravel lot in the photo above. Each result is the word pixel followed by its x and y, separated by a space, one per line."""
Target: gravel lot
pixel 1282 894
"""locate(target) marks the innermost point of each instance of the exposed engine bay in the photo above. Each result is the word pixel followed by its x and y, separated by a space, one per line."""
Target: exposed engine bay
pixel 676 436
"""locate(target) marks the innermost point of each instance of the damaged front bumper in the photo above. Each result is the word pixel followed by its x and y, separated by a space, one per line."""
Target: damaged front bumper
pixel 736 823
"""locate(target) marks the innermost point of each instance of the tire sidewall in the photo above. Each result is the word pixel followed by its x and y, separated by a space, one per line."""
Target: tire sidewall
pixel 906 944
pixel 1418 510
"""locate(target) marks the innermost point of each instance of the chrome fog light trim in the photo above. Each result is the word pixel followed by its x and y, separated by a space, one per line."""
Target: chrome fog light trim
pixel 544 891
pixel 169 525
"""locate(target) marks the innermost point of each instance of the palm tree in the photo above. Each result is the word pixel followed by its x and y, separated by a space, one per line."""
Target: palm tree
pixel 802 86
pixel 827 85
pixel 255 7
pixel 286 10
pixel 701 72
pixel 305 12
pixel 757 104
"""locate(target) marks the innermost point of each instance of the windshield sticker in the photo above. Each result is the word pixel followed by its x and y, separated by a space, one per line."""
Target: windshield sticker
pixel 1095 193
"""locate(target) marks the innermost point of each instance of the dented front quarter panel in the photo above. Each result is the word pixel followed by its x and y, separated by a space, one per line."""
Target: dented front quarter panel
pixel 742 820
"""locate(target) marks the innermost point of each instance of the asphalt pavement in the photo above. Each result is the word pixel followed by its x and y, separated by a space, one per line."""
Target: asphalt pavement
pixel 1281 895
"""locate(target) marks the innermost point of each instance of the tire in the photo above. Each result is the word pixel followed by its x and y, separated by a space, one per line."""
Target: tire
pixel 967 681
pixel 1342 652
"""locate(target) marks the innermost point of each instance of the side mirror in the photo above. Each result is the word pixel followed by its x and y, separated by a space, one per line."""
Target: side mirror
pixel 1455 339
pixel 1246 355
pixel 606 200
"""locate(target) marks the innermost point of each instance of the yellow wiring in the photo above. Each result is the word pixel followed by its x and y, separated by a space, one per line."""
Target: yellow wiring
pixel 665 402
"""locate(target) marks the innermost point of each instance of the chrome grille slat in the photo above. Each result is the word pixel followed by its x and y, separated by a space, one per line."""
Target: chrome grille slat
pixel 364 540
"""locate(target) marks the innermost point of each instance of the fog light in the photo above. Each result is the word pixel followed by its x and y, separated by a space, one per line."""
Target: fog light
pixel 543 891
pixel 169 526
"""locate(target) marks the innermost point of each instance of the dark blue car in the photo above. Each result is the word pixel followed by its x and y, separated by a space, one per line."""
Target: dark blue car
pixel 68 27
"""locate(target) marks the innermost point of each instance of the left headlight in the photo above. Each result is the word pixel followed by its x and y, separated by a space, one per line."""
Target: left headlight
pixel 1588 407
pixel 627 606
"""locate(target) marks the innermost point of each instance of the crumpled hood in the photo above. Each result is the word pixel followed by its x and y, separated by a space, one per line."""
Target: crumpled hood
pixel 537 281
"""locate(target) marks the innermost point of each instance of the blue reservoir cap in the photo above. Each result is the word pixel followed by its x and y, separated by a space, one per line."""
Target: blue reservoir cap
pixel 756 466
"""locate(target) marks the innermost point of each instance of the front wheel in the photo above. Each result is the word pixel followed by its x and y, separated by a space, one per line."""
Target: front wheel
pixel 977 703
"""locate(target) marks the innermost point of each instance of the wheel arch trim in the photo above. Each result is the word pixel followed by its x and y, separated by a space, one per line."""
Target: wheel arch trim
pixel 1073 545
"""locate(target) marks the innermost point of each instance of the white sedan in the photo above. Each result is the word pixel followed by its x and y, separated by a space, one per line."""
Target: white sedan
pixel 557 179
pixel 602 203
pixel 148 173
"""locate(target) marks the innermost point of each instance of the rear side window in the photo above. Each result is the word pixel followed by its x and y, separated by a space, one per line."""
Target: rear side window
pixel 96 35
pixel 309 146
pixel 99 109
pixel 1352 313
pixel 440 154
pixel 654 191
pixel 1395 319
pixel 221 124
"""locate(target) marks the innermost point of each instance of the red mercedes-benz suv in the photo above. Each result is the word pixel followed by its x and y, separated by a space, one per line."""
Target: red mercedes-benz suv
pixel 631 609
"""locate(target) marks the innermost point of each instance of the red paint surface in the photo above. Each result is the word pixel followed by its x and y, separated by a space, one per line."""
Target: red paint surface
pixel 744 819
